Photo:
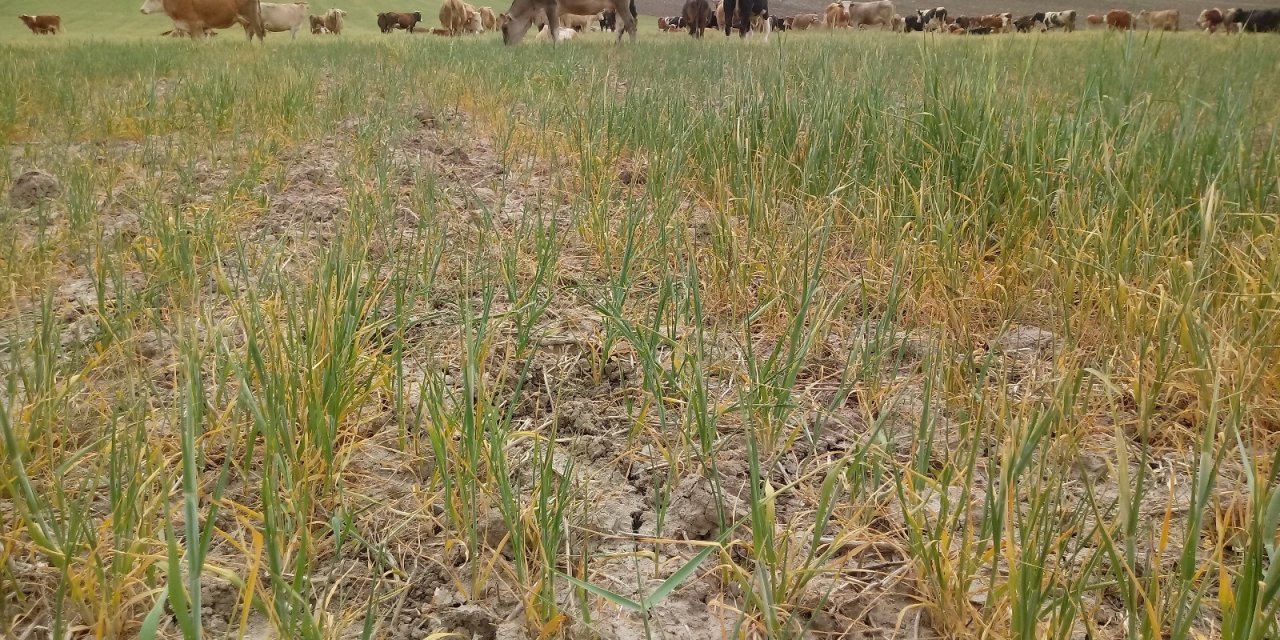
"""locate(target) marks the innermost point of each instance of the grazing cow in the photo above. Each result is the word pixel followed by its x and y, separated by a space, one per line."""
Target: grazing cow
pixel 198 17
pixel 1025 24
pixel 43 25
pixel 869 14
pixel 333 20
pixel 1094 20
pixel 1254 20
pixel 398 20
pixel 1159 20
pixel 488 21
pixel 515 22
pixel 608 20
pixel 1119 19
pixel 280 17
pixel 1065 20
pixel 696 14
pixel 458 17
pixel 933 19
pixel 317 25
pixel 746 14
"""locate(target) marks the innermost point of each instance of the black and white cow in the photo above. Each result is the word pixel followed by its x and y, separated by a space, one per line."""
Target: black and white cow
pixel 933 19
pixel 745 12
pixel 1065 20
pixel 1256 20
pixel 912 23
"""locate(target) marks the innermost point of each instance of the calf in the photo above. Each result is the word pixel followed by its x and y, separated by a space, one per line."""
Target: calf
pixel 279 17
pixel 1160 20
pixel 1210 20
pixel 1025 24
pixel 805 21
pixel 1119 19
pixel 1095 21
pixel 912 23
pixel 43 25
pixel 317 25
pixel 1255 20
pixel 777 23
pixel 398 20
pixel 488 21
pixel 608 20
pixel 1065 20
pixel 696 14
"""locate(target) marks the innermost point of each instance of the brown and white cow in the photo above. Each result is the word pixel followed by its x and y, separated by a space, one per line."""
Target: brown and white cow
pixel 1211 20
pixel 281 17
pixel 199 17
pixel 516 21
pixel 1119 19
pixel 1166 20
pixel 42 25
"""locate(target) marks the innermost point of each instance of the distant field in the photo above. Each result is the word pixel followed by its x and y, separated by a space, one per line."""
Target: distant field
pixel 851 335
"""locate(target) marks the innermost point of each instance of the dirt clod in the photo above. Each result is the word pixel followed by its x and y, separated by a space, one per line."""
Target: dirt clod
pixel 33 187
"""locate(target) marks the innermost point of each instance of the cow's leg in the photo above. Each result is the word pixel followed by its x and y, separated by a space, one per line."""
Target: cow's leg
pixel 744 19
pixel 768 26
pixel 730 6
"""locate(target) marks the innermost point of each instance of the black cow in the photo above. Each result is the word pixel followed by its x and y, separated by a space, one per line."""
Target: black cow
pixel 933 18
pixel 912 23
pixel 980 30
pixel 1025 24
pixel 1256 20
pixel 712 22
pixel 744 11
pixel 778 23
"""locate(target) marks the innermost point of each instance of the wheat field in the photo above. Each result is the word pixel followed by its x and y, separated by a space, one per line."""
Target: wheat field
pixel 836 336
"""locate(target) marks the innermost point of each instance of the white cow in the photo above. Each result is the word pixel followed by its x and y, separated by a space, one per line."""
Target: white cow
pixel 867 14
pixel 280 17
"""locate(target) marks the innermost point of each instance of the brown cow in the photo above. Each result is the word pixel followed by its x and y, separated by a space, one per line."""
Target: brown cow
pixel 42 25
pixel 836 17
pixel 1166 20
pixel 805 21
pixel 1095 21
pixel 333 20
pixel 398 20
pixel 458 17
pixel 1000 22
pixel 1119 19
pixel 488 21
pixel 317 25
pixel 199 17
pixel 697 15
pixel 516 21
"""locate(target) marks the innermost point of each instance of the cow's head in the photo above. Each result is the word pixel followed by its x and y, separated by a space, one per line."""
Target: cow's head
pixel 152 6
pixel 515 22
pixel 417 16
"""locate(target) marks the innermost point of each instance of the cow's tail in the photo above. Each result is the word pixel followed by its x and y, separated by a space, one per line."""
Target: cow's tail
pixel 634 13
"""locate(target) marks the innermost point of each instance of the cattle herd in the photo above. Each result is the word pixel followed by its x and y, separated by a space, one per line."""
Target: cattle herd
pixel 561 19
pixel 881 14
